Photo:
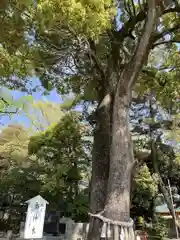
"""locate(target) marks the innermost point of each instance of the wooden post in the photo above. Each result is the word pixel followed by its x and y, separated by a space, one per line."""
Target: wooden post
pixel 174 213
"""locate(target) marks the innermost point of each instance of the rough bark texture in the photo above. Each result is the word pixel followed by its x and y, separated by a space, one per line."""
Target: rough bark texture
pixel 121 160
pixel 118 194
pixel 100 166
pixel 117 206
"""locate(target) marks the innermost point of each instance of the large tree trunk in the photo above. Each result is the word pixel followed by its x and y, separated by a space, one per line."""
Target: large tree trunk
pixel 100 167
pixel 121 161
pixel 117 206
pixel 118 194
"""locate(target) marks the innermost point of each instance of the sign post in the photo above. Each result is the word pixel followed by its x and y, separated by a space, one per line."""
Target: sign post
pixel 35 218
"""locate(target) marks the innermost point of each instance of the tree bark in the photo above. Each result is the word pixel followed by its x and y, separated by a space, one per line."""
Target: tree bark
pixel 117 206
pixel 100 167
pixel 122 158
pixel 118 194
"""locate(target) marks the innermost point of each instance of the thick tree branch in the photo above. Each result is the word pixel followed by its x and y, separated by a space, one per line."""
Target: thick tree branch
pixel 97 64
pixel 133 20
pixel 135 65
pixel 130 24
pixel 165 42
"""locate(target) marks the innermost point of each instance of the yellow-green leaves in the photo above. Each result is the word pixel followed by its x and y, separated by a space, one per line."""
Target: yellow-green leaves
pixel 146 187
pixel 16 64
pixel 88 18
pixel 13 144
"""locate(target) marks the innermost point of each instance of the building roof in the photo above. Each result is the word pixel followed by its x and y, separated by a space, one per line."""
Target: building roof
pixel 164 209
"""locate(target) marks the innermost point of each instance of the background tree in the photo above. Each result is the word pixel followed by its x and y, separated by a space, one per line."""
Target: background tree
pixel 58 160
pixel 61 149
pixel 19 174
pixel 42 114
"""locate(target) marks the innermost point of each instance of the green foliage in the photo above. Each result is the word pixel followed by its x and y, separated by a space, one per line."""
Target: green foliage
pixel 26 26
pixel 81 207
pixel 10 106
pixel 18 172
pixel 42 114
pixel 66 133
pixel 161 158
pixel 162 78
pixel 174 134
pixel 52 40
pixel 159 229
pixel 58 162
pixel 61 150
pixel 146 187
pixel 71 102
pixel 87 71
pixel 15 53
pixel 75 14
pixel 13 144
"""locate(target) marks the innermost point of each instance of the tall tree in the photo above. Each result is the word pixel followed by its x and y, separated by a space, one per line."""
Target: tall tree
pixel 80 46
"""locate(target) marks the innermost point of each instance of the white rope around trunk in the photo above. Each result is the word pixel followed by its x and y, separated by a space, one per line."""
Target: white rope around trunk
pixel 110 221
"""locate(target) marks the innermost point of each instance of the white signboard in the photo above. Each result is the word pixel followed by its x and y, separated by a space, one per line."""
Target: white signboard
pixel 35 218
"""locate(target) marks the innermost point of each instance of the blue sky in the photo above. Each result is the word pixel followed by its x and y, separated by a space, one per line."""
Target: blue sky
pixel 38 95
pixel 53 96
pixel 21 118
